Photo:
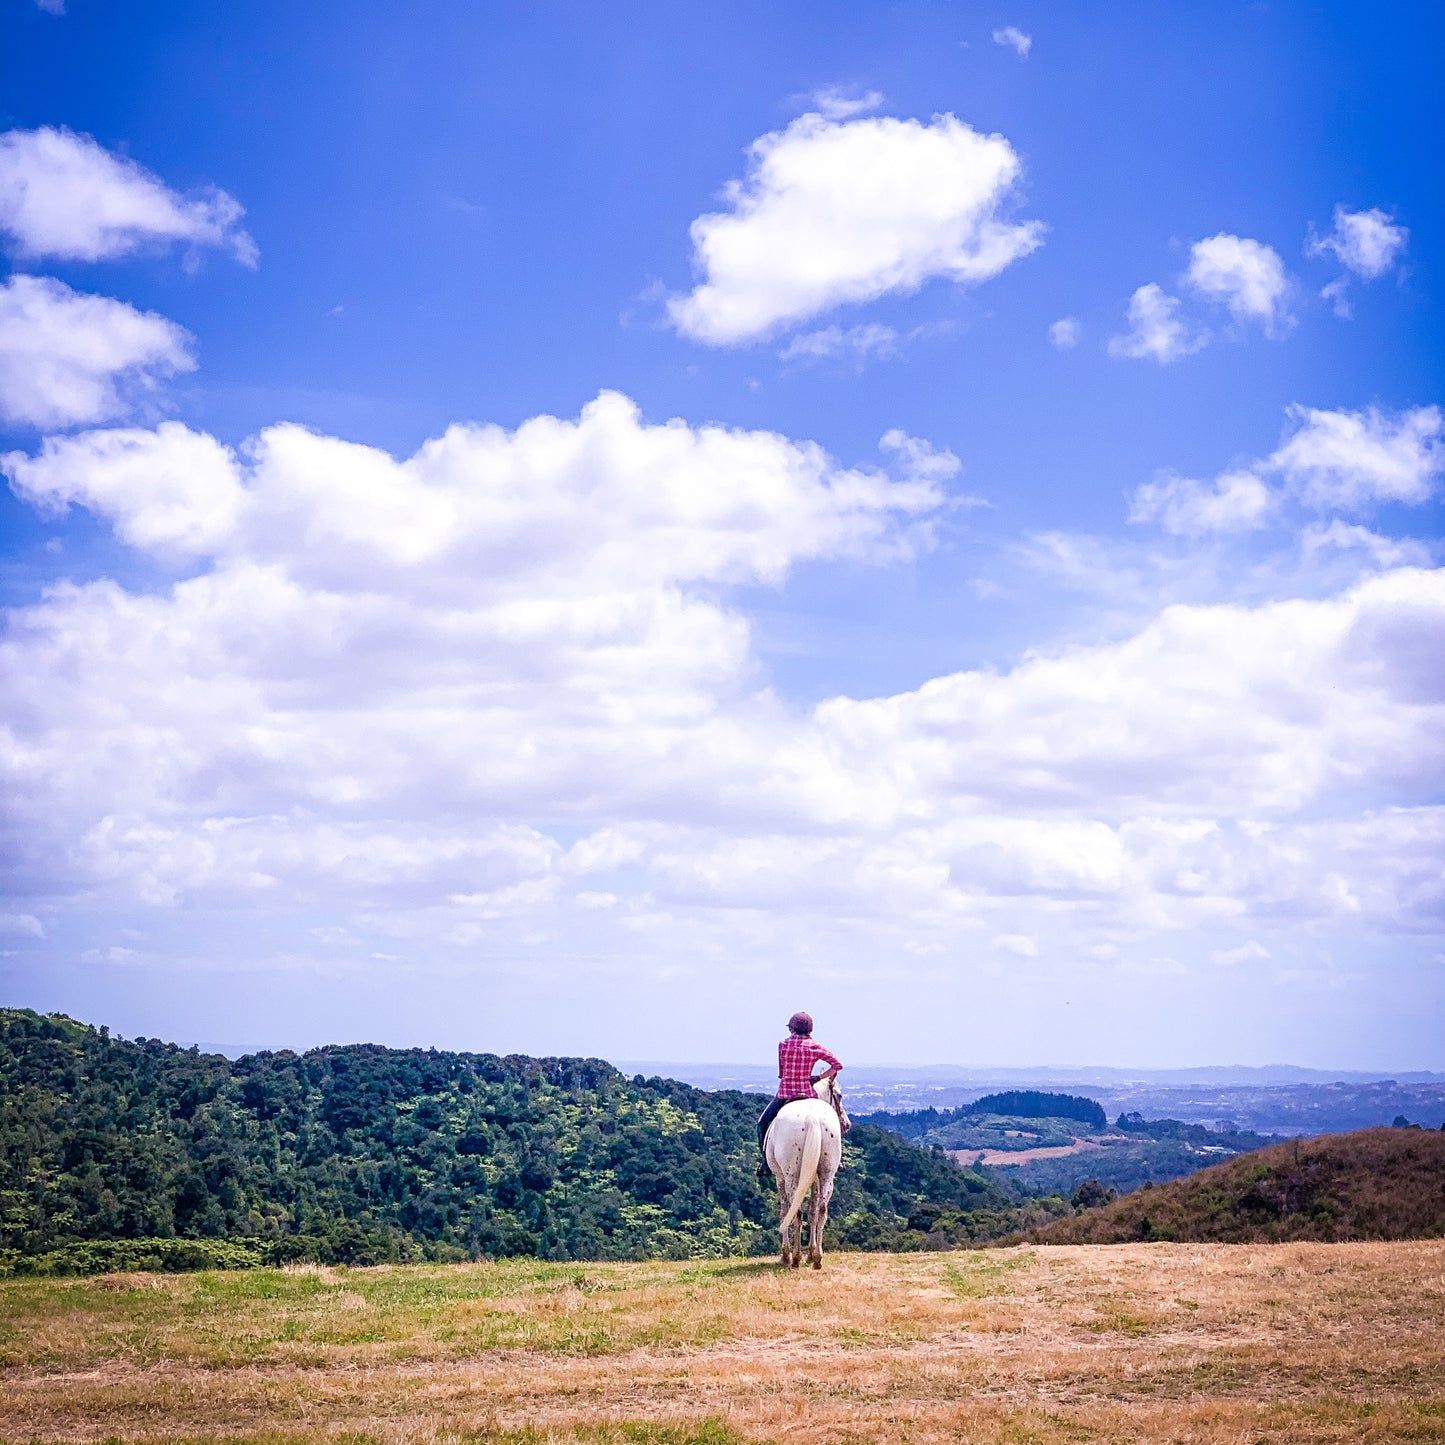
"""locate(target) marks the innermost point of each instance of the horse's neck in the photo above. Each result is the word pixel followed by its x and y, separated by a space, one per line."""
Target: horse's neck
pixel 827 1090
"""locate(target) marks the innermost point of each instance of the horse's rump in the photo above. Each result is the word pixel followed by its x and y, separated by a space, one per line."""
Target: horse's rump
pixel 804 1149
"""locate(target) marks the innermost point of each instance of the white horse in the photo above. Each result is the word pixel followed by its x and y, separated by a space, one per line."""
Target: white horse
pixel 804 1148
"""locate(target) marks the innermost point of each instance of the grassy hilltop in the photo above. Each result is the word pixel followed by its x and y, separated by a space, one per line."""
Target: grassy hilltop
pixel 1372 1184
pixel 1191 1344
pixel 120 1154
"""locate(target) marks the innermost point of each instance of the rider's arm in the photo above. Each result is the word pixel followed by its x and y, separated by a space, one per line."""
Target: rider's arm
pixel 822 1056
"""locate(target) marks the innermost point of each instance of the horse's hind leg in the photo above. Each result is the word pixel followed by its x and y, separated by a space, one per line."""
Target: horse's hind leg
pixel 785 1230
pixel 817 1220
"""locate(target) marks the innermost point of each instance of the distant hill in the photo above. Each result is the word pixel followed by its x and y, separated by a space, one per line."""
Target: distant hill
pixel 115 1151
pixel 1033 1104
pixel 1049 1144
pixel 1372 1184
pixel 934 1125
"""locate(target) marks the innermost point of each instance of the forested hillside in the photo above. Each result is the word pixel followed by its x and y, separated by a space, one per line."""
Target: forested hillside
pixel 362 1153
pixel 1373 1184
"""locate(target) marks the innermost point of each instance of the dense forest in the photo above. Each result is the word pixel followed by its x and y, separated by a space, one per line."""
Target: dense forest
pixel 123 1153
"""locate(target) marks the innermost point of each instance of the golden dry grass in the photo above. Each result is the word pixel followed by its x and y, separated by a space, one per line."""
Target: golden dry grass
pixel 1161 1342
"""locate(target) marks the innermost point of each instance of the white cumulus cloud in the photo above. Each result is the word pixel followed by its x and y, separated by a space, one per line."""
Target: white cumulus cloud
pixel 1065 332
pixel 840 212
pixel 513 615
pixel 1156 332
pixel 64 195
pixel 68 358
pixel 1245 275
pixel 1366 242
pixel 1353 459
pixel 171 491
pixel 500 690
pixel 1328 460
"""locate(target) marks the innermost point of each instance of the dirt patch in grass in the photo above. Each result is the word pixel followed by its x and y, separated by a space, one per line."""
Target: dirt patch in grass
pixel 969 1157
pixel 1187 1343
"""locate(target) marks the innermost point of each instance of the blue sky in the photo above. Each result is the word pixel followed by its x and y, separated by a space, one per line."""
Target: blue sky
pixel 996 603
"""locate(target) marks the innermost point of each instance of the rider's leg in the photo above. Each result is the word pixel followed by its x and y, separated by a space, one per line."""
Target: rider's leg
pixel 764 1119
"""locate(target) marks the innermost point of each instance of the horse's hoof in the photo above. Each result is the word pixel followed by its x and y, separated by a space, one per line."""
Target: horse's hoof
pixel 817 1263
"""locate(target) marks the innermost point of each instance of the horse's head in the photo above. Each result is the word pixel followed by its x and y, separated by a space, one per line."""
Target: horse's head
pixel 829 1092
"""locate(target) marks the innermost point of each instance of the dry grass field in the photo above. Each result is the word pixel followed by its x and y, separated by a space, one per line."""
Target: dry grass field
pixel 1142 1342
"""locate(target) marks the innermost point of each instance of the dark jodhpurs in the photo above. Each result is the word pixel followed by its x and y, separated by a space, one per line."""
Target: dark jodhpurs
pixel 766 1118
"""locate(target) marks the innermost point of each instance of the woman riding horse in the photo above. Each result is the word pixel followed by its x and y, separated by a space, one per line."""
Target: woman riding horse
pixel 796 1056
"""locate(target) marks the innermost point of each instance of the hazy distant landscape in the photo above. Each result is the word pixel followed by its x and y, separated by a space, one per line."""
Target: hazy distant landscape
pixel 1270 1100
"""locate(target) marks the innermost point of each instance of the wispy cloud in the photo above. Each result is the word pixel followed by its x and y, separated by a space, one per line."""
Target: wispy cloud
pixel 1368 244
pixel 1015 39
pixel 1235 502
pixel 854 343
pixel 842 102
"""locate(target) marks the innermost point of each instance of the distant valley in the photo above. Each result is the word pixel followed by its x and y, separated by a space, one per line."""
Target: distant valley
pixel 1055 1144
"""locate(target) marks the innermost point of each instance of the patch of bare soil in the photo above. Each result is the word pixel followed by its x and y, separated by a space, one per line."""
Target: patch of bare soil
pixel 968 1157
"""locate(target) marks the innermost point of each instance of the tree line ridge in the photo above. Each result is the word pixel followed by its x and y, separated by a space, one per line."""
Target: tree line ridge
pixel 114 1151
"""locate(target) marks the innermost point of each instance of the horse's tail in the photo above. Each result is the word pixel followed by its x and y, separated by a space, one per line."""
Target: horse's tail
pixel 812 1153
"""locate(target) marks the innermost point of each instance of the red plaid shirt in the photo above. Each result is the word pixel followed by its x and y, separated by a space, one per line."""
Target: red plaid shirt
pixel 796 1056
